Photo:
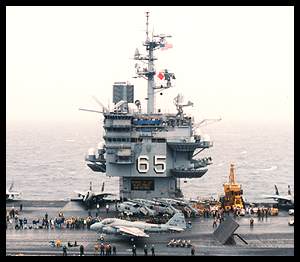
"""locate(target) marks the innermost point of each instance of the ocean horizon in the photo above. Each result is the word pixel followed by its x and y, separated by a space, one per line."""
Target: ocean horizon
pixel 45 160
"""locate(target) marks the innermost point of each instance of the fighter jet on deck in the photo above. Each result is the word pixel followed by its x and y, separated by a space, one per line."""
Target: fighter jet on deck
pixel 10 195
pixel 145 207
pixel 139 228
pixel 89 197
pixel 282 200
pixel 134 208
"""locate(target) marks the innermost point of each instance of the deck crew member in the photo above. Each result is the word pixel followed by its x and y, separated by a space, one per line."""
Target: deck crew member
pixel 152 250
pixel 81 250
pixel 133 250
pixel 193 251
pixel 64 251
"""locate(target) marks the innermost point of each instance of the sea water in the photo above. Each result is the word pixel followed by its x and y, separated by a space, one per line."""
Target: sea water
pixel 46 160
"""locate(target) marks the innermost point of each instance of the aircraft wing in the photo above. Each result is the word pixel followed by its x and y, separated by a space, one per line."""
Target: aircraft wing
pixel 80 193
pixel 111 198
pixel 13 193
pixel 278 197
pixel 132 231
pixel 101 194
pixel 177 229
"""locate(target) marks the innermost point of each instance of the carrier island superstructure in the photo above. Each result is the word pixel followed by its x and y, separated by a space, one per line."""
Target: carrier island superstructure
pixel 149 151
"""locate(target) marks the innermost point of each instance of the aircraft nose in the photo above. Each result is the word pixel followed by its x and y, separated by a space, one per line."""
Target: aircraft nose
pixel 96 226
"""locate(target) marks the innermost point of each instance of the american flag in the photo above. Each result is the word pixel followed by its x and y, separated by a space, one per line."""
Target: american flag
pixel 167 46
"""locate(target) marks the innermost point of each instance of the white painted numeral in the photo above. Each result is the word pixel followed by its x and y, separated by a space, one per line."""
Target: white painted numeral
pixel 160 161
pixel 143 164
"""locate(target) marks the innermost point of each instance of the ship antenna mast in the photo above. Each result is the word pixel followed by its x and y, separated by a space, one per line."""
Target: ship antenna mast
pixel 157 41
pixel 147 24
pixel 150 45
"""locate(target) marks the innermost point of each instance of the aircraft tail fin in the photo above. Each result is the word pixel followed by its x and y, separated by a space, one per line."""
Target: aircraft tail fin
pixel 86 197
pixel 11 186
pixel 177 220
pixel 276 190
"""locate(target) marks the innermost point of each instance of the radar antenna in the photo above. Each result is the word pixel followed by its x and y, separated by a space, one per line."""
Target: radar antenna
pixel 178 102
pixel 99 103
pixel 206 121
pixel 148 73
pixel 104 109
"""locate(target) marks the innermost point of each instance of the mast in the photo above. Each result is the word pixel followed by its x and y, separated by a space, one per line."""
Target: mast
pixel 156 42
pixel 147 24
pixel 150 45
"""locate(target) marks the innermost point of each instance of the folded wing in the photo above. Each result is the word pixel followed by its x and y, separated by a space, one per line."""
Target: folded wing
pixel 132 231
pixel 287 198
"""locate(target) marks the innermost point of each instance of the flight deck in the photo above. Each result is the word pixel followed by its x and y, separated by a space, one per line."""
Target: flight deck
pixel 272 236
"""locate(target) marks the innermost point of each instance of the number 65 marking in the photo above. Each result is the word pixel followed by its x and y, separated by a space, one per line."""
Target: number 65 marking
pixel 158 161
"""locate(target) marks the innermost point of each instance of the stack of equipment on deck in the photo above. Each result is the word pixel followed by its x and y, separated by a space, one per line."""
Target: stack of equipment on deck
pixel 233 193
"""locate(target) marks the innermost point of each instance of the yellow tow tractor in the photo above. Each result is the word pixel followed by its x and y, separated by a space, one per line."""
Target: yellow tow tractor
pixel 233 193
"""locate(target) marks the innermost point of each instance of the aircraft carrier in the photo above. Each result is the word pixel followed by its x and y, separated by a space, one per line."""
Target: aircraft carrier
pixel 150 152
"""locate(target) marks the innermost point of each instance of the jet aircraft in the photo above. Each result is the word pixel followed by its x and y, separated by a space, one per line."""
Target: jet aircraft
pixel 153 207
pixel 10 195
pixel 284 201
pixel 89 197
pixel 133 207
pixel 139 229
pixel 181 205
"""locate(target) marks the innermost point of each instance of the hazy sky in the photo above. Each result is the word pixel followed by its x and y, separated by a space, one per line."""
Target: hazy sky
pixel 233 62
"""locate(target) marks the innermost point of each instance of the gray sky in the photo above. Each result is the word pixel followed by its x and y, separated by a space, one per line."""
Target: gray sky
pixel 233 62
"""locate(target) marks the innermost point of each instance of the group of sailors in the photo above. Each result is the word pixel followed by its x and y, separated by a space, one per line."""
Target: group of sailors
pixel 216 214
pixel 261 212
pixel 100 249
pixel 104 249
pixel 50 223
pixel 145 250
